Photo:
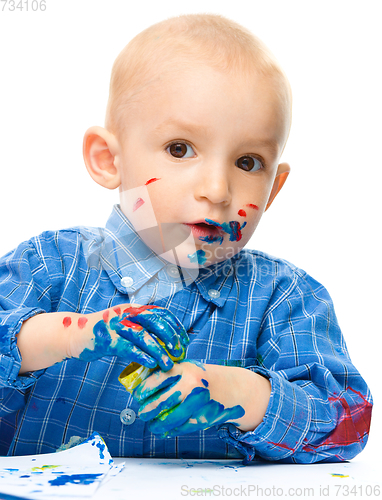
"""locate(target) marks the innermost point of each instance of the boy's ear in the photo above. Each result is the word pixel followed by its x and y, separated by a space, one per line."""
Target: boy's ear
pixel 281 176
pixel 100 148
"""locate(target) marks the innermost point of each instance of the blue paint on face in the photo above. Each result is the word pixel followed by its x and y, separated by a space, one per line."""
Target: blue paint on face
pixel 204 382
pixel 74 479
pixel 199 257
pixel 232 228
pixel 212 239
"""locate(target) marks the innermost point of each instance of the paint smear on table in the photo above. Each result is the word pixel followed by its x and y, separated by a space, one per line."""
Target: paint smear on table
pixel 75 472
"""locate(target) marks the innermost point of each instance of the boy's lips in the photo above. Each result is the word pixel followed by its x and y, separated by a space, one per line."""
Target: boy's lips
pixel 201 229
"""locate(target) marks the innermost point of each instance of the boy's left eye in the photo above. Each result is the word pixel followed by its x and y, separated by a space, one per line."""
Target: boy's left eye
pixel 249 163
pixel 180 150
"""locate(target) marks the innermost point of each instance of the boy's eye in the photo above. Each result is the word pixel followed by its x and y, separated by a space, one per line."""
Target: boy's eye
pixel 248 163
pixel 180 150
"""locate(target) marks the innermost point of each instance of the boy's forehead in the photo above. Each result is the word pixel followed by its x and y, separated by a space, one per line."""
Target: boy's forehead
pixel 177 100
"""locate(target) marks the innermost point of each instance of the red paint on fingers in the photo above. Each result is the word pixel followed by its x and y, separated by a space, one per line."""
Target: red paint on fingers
pixel 134 311
pixel 130 324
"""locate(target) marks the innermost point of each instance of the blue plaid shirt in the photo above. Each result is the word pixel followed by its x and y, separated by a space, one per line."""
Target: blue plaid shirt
pixel 252 311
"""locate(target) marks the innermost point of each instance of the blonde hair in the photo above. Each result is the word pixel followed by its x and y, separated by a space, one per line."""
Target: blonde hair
pixel 163 47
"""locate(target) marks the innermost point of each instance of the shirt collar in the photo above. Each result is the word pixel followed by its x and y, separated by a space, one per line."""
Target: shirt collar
pixel 131 264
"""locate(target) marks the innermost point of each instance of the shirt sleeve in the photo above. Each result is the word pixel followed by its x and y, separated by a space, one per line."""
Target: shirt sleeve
pixel 320 407
pixel 24 292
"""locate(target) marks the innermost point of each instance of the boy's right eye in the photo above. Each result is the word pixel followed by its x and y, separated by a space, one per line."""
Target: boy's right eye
pixel 180 150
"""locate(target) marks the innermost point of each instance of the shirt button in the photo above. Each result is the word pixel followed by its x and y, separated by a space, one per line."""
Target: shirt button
pixel 127 416
pixel 172 271
pixel 214 294
pixel 127 282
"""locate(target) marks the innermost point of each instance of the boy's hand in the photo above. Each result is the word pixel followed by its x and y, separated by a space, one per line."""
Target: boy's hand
pixel 192 397
pixel 131 332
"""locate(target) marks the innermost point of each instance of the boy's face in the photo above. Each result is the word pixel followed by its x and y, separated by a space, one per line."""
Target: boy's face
pixel 203 146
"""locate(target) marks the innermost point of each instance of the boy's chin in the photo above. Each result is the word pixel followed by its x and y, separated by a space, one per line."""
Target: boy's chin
pixel 176 244
pixel 194 258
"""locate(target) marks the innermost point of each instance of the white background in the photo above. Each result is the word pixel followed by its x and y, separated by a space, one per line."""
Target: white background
pixel 55 67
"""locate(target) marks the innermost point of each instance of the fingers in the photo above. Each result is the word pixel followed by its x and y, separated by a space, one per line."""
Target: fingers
pixel 177 325
pixel 213 413
pixel 176 416
pixel 162 323
pixel 136 335
pixel 145 395
pixel 168 415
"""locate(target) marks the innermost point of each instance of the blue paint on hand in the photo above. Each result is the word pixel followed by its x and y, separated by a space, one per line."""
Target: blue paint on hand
pixel 171 401
pixel 105 345
pixel 135 336
pixel 196 412
pixel 142 393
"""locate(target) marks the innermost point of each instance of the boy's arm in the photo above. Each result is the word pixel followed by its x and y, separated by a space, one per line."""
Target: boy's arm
pixel 319 407
pixel 123 331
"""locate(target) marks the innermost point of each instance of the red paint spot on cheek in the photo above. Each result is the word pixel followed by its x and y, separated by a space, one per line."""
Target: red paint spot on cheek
pixel 67 321
pixel 105 315
pixel 139 202
pixel 251 205
pixel 82 322
pixel 152 180
pixel 117 311
pixel 242 213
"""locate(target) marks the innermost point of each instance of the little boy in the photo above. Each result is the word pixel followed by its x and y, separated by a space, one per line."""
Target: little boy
pixel 198 117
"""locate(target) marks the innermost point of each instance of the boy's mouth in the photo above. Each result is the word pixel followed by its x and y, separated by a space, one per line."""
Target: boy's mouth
pixel 206 232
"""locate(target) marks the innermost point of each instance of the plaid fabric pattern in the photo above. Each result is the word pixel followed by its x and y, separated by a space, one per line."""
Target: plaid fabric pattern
pixel 264 315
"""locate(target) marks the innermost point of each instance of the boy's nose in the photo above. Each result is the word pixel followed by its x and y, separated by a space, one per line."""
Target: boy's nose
pixel 213 184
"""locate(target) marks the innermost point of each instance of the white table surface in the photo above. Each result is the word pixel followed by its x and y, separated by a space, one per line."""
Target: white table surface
pixel 175 479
